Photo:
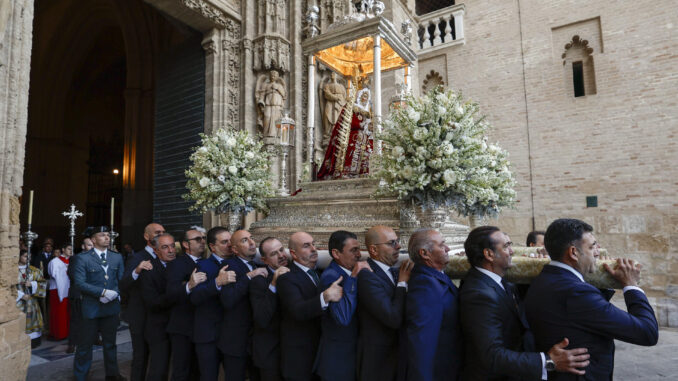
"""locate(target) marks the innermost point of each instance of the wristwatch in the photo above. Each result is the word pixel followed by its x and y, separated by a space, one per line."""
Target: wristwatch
pixel 550 365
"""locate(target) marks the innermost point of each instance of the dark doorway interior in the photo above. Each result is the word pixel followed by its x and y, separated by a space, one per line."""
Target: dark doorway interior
pixel 91 115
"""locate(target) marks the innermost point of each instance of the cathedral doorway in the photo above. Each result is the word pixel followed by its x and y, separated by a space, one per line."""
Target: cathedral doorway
pixel 107 103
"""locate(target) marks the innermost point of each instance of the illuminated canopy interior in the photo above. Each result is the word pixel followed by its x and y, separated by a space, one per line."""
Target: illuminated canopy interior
pixel 356 58
pixel 349 49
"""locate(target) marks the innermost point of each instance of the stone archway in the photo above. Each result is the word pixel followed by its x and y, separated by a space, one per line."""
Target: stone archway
pixel 217 21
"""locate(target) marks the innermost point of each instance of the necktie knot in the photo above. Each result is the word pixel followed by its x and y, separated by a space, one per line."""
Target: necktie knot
pixel 313 275
pixel 394 273
pixel 103 257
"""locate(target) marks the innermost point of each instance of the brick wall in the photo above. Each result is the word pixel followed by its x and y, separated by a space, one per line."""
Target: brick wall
pixel 619 144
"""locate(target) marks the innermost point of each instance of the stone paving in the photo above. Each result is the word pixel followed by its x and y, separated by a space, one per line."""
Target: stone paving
pixel 632 362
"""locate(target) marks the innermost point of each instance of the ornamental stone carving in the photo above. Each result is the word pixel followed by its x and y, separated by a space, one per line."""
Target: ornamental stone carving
pixel 207 10
pixel 334 94
pixel 271 52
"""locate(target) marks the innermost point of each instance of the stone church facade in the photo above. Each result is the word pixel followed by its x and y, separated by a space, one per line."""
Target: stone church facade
pixel 582 94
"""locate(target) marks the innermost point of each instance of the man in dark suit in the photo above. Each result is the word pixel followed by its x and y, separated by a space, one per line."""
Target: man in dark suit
pixel 205 297
pixel 41 259
pixel 496 337
pixel 381 306
pixel 96 274
pixel 158 303
pixel 339 325
pixel 236 326
pixel 182 277
pixel 265 311
pixel 135 312
pixel 433 338
pixel 561 304
pixel 302 304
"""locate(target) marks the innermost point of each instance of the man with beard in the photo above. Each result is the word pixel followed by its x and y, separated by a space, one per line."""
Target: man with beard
pixel 381 305
pixel 266 312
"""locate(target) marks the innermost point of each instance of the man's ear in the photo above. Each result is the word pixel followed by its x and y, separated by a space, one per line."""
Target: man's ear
pixel 423 254
pixel 488 254
pixel 184 245
pixel 572 254
pixel 334 253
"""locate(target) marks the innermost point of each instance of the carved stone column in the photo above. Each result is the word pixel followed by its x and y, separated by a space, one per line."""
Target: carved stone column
pixel 16 28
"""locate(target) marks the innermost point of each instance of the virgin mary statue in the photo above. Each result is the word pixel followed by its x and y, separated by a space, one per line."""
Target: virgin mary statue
pixel 350 145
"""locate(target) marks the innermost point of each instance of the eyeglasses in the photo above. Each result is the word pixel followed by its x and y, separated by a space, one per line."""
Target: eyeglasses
pixel 197 239
pixel 393 243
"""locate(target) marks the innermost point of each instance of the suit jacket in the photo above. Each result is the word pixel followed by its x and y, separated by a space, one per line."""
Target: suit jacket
pixel 300 324
pixel 73 292
pixel 205 298
pixel 157 302
pixel 558 305
pixel 181 315
pixel 91 279
pixel 266 323
pixel 493 332
pixel 135 312
pixel 433 338
pixel 381 307
pixel 339 326
pixel 236 325
pixel 38 259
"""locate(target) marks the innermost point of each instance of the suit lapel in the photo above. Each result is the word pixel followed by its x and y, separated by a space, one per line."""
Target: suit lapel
pixel 380 273
pixel 303 277
pixel 489 282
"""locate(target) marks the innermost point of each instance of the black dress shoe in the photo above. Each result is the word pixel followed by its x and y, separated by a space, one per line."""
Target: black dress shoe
pixel 116 378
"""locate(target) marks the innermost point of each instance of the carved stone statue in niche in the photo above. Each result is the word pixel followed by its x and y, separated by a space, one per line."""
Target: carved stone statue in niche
pixel 335 98
pixel 270 96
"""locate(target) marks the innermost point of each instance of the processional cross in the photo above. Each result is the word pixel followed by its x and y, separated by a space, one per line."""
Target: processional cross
pixel 72 215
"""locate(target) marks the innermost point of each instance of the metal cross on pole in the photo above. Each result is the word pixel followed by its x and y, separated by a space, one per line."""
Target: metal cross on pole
pixel 72 215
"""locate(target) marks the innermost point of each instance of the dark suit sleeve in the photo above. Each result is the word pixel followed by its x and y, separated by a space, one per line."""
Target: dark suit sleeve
pixel 155 299
pixel 343 310
pixel 233 293
pixel 424 314
pixel 80 279
pixel 127 281
pixel 263 301
pixel 205 290
pixel 588 308
pixel 374 298
pixel 481 322
pixel 293 301
pixel 176 281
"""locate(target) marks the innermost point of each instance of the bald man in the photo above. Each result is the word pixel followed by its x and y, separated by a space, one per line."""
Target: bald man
pixel 135 312
pixel 381 305
pixel 302 305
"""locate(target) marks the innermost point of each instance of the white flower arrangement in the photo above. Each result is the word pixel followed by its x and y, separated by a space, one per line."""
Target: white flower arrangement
pixel 436 154
pixel 230 173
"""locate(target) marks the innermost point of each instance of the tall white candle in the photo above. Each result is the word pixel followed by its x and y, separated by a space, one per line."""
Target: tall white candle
pixel 112 209
pixel 30 208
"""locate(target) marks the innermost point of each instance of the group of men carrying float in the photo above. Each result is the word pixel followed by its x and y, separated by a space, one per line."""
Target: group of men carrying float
pixel 276 317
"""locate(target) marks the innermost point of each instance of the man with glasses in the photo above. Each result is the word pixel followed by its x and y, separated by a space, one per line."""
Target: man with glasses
pixel 135 312
pixel 381 303
pixel 182 277
pixel 496 334
pixel 96 274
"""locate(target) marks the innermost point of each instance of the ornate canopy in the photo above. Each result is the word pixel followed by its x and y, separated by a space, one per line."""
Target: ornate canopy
pixel 348 46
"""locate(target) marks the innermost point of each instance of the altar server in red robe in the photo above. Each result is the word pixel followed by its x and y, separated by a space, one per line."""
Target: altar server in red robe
pixel 59 313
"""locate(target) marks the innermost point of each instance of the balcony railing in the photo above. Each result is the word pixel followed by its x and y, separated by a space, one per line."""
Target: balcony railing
pixel 441 28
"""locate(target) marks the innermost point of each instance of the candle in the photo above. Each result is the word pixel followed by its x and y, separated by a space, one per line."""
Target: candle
pixel 112 206
pixel 30 208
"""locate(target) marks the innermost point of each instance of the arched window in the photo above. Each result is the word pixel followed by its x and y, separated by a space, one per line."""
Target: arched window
pixel 578 67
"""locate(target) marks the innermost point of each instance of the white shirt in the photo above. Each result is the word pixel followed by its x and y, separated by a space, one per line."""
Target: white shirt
pixel 497 279
pixel 305 269
pixel 387 270
pixel 581 278
pixel 149 250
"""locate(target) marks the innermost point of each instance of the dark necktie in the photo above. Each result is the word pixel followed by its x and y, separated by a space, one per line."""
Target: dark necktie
pixel 252 264
pixel 509 292
pixel 394 272
pixel 313 275
pixel 103 258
